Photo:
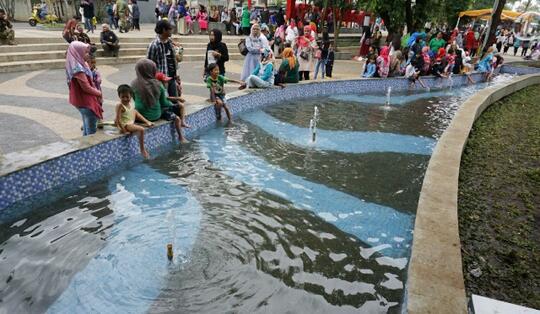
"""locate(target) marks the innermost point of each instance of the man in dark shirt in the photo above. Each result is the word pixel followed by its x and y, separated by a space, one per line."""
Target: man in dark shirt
pixel 162 52
pixel 88 13
pixel 109 41
pixel 7 35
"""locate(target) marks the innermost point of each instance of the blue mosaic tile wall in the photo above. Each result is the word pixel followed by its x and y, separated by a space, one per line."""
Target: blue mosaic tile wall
pixel 520 70
pixel 54 173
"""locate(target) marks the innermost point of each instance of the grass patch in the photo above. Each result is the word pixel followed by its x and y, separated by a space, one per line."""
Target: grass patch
pixel 499 201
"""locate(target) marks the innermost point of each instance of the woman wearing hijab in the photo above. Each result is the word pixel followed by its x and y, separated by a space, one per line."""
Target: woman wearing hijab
pixel 291 32
pixel 427 61
pixel 202 19
pixel 306 46
pixel 288 71
pixel 150 97
pixel 395 64
pixel 365 42
pixel 82 93
pixel 383 62
pixel 216 52
pixel 255 44
pixel 263 75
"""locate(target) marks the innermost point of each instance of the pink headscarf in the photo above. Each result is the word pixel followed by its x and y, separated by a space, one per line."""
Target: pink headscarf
pixel 75 62
pixel 425 55
pixel 385 52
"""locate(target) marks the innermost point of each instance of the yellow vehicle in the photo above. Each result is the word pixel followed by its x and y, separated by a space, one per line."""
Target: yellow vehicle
pixel 37 17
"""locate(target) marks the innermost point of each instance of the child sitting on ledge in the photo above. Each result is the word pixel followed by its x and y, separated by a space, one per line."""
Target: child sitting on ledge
pixel 126 115
pixel 216 84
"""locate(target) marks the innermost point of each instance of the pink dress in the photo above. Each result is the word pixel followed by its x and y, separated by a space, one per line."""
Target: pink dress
pixel 202 18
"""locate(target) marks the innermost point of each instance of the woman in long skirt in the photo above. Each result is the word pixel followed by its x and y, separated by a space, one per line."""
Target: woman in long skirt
pixel 255 44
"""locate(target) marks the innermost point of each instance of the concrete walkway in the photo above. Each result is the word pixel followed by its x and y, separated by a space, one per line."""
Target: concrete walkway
pixel 34 109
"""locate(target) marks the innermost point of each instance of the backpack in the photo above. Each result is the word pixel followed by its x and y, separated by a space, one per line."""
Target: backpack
pixel 110 10
pixel 242 47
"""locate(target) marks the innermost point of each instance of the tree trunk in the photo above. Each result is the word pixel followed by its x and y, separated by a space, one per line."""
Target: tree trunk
pixel 337 27
pixel 494 22
pixel 408 15
pixel 390 26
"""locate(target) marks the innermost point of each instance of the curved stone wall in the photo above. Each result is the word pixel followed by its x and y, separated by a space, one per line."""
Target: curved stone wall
pixel 435 278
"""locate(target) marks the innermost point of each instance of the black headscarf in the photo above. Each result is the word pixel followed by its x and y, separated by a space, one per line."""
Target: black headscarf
pixel 218 36
pixel 220 47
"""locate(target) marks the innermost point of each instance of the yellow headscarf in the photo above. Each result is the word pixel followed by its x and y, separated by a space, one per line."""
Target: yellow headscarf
pixel 289 55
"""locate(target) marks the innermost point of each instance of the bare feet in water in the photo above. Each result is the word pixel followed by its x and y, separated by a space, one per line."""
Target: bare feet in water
pixel 183 140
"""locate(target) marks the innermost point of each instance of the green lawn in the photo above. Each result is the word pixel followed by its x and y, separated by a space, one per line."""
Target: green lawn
pixel 499 201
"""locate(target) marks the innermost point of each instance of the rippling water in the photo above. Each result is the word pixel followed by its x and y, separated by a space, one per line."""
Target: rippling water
pixel 258 223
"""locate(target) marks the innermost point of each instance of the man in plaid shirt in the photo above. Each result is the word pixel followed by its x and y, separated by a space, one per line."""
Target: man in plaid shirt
pixel 161 51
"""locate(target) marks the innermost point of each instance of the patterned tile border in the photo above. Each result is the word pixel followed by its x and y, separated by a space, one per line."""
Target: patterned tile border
pixel 98 152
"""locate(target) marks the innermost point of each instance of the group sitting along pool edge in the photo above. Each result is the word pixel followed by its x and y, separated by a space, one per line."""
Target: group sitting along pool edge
pixel 31 181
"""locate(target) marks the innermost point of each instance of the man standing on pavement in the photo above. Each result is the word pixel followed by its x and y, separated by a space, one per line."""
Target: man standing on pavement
pixel 162 52
pixel 6 29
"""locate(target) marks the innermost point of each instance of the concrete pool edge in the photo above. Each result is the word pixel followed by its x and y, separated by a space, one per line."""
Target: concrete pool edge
pixel 435 277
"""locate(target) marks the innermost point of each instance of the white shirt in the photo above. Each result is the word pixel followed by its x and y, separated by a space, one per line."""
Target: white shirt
pixel 225 17
pixel 410 70
pixel 290 34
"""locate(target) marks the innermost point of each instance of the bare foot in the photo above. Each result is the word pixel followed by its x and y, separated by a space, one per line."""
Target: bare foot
pixel 185 125
pixel 180 99
pixel 183 140
pixel 243 86
pixel 145 154
pixel 149 124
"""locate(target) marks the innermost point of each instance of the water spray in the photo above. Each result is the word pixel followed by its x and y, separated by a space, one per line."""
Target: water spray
pixel 313 124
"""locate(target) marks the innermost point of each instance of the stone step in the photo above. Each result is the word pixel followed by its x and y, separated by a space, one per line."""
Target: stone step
pixel 182 39
pixel 59 63
pixel 58 54
pixel 63 46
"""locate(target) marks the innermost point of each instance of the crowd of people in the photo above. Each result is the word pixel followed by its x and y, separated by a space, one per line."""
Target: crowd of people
pixel 434 51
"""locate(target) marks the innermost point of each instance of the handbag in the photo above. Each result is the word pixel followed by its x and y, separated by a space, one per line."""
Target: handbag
pixel 242 47
pixel 304 55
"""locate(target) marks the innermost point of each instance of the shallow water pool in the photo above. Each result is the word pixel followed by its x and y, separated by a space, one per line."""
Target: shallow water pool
pixel 261 218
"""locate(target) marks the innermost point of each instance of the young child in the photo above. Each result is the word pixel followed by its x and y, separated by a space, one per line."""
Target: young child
pixel 126 115
pixel 96 78
pixel 468 68
pixel 330 61
pixel 451 61
pixel 216 83
pixel 413 74
pixel 179 107
pixel 371 68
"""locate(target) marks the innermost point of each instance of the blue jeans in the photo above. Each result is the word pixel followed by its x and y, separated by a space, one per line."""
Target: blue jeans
pixel 253 81
pixel 112 23
pixel 89 121
pixel 88 24
pixel 320 63
pixel 171 90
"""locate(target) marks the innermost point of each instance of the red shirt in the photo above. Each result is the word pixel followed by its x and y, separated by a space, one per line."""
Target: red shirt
pixel 83 94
